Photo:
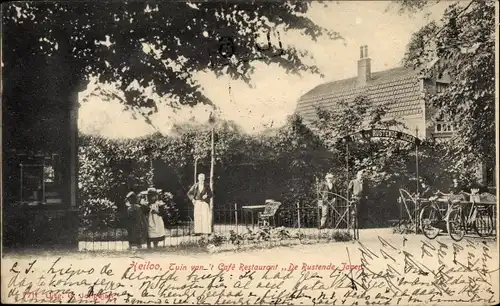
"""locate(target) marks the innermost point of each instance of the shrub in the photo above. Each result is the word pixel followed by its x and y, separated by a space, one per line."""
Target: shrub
pixel 215 239
pixel 342 236
pixel 170 210
pixel 98 214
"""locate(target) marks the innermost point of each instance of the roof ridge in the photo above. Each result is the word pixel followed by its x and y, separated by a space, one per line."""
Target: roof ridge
pixel 408 72
pixel 397 88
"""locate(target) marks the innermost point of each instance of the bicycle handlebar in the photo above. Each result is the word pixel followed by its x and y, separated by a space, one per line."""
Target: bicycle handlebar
pixel 439 192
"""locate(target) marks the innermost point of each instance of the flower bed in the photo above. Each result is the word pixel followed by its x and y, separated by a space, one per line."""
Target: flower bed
pixel 116 239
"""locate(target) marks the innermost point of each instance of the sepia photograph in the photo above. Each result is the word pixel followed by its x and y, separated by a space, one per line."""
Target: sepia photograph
pixel 250 152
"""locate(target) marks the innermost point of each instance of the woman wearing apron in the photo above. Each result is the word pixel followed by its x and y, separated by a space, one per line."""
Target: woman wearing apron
pixel 200 194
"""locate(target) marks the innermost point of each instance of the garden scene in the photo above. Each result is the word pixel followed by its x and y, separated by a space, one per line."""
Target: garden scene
pixel 270 102
pixel 285 166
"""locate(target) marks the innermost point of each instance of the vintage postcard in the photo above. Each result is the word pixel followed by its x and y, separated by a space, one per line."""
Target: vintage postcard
pixel 250 152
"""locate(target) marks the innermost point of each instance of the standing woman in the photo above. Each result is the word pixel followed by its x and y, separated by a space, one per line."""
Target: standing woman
pixel 137 221
pixel 156 227
pixel 200 194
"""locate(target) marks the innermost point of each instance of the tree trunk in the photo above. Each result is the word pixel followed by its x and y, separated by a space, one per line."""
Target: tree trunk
pixel 212 162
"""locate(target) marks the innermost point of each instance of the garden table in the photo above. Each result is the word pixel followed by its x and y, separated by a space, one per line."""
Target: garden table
pixel 252 209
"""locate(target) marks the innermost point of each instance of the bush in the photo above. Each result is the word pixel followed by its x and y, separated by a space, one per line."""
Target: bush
pixel 341 236
pixel 170 210
pixel 98 214
pixel 284 165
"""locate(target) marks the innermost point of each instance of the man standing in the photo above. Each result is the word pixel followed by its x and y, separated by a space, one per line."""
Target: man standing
pixel 456 187
pixel 425 191
pixel 356 190
pixel 327 198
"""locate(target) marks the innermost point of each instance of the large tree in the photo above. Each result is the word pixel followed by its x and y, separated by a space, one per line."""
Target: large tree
pixel 464 43
pixel 108 40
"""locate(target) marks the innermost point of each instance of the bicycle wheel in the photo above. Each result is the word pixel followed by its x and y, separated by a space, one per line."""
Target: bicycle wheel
pixel 455 224
pixel 429 217
pixel 483 224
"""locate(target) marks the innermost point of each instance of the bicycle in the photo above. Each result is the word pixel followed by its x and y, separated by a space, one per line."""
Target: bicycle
pixel 463 218
pixel 434 217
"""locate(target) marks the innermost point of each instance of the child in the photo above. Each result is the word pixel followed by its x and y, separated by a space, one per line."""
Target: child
pixel 156 227
pixel 138 224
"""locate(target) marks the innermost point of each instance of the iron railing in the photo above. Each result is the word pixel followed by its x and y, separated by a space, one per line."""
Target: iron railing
pixel 234 228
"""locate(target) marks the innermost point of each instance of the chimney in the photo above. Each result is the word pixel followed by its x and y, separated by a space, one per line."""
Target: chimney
pixel 364 66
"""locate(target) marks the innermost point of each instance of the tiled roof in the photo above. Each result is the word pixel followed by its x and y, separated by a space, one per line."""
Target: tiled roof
pixel 397 89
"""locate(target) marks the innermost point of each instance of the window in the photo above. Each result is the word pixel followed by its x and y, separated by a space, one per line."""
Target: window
pixel 440 87
pixel 442 125
pixel 490 176
pixel 39 180
pixel 49 175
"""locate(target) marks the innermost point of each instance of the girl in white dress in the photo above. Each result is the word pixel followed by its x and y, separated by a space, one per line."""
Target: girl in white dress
pixel 156 227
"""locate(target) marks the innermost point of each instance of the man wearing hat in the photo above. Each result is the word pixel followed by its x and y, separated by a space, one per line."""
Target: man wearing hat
pixel 137 228
pixel 357 190
pixel 328 197
pixel 425 190
pixel 156 227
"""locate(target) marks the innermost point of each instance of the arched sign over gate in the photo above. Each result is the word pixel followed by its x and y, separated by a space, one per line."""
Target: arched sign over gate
pixel 381 133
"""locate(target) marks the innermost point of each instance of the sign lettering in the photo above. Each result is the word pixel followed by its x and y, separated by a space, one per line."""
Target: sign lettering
pixel 380 133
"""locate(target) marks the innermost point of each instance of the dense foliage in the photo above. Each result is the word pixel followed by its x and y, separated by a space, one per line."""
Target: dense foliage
pixel 98 214
pixel 285 164
pixel 464 44
pixel 158 45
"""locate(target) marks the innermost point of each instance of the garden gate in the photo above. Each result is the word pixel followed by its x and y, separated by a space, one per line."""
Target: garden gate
pixel 340 212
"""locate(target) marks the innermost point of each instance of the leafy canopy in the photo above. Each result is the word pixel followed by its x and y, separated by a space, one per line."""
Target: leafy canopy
pixel 465 46
pixel 157 44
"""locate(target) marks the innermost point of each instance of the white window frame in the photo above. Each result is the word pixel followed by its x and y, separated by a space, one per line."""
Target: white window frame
pixel 443 126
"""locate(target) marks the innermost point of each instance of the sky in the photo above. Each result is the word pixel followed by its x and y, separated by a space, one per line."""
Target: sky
pixel 275 93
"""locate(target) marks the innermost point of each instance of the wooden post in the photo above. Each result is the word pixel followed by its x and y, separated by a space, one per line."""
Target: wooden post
pixel 236 215
pixel 318 195
pixel 195 170
pixel 73 165
pixel 415 213
pixel 416 158
pixel 212 163
pixel 298 215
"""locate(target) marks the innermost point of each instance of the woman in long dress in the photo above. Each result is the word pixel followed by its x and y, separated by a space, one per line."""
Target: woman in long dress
pixel 137 221
pixel 156 227
pixel 200 194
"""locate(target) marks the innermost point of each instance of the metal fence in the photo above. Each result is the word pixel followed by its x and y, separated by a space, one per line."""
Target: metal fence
pixel 481 222
pixel 240 226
